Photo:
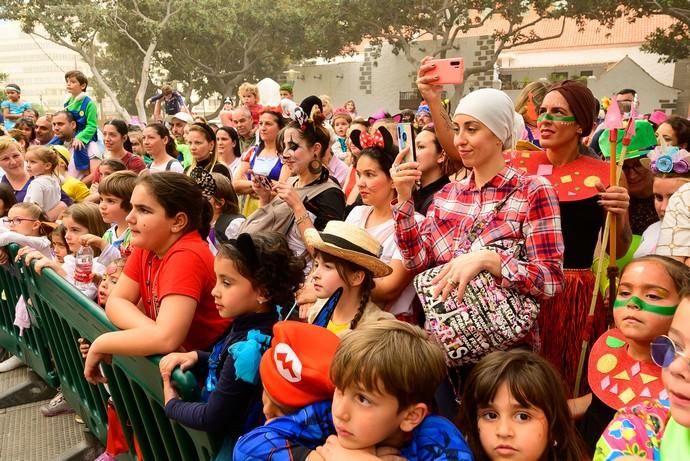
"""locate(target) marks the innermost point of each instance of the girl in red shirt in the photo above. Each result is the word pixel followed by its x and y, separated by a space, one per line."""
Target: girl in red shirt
pixel 162 301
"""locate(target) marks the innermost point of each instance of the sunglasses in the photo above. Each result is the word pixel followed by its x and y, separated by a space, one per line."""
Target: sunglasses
pixel 664 351
pixel 16 221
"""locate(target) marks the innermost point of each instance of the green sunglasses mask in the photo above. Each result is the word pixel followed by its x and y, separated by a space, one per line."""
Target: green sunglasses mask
pixel 645 306
pixel 556 118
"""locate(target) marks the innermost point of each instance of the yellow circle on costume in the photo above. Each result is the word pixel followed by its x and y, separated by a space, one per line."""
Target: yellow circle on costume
pixel 81 113
pixel 606 363
pixel 591 181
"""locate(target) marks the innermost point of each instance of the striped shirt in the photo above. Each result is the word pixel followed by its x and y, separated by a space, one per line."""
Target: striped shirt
pixel 530 215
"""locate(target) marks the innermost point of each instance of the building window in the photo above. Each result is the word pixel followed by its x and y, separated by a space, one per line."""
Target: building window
pixel 558 76
pixel 586 73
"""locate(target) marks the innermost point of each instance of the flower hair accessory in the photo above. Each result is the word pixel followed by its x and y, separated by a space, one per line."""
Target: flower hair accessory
pixel 669 160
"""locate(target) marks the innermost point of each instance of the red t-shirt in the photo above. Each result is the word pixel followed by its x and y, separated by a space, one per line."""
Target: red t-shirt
pixel 132 162
pixel 186 269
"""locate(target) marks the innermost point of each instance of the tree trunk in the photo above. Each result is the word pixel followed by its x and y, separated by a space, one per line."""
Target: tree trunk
pixel 144 82
pixel 90 59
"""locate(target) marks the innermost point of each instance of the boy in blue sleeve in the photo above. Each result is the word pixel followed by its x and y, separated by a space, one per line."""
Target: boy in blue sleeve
pixel 85 114
pixel 294 374
pixel 385 373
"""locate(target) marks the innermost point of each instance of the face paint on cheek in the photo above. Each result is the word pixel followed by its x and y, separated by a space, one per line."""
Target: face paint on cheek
pixel 561 119
pixel 645 306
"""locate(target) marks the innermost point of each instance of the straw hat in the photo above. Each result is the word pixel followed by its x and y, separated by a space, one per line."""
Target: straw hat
pixel 351 243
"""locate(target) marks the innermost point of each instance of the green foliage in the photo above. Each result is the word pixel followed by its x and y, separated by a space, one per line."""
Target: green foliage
pixel 672 43
pixel 209 47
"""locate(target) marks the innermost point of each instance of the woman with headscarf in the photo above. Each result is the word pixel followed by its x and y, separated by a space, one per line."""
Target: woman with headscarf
pixel 566 116
pixel 514 210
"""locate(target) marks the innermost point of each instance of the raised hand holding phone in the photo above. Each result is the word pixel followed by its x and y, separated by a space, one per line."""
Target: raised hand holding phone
pixel 450 71
pixel 405 140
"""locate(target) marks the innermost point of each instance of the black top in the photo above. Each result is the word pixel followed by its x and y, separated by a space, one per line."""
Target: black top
pixel 642 214
pixel 230 404
pixel 328 205
pixel 423 196
pixel 217 168
pixel 581 221
pixel 594 422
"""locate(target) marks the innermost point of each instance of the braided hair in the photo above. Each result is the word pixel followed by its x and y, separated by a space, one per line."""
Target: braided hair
pixel 344 268
pixel 367 287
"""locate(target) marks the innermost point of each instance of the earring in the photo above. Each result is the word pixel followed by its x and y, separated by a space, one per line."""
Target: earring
pixel 315 166
pixel 555 443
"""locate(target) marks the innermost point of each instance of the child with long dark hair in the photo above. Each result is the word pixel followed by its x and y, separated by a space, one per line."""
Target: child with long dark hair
pixel 255 276
pixel 514 407
pixel 163 300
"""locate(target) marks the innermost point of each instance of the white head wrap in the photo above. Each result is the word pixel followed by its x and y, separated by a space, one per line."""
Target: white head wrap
pixel 494 109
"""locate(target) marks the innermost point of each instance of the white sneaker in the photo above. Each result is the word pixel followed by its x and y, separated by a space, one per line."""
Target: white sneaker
pixel 11 364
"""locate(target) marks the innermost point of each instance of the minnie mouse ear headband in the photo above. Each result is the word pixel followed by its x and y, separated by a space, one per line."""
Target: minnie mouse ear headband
pixel 303 114
pixel 380 139
pixel 204 180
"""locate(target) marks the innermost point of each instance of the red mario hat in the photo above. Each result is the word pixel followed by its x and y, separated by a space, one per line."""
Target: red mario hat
pixel 295 370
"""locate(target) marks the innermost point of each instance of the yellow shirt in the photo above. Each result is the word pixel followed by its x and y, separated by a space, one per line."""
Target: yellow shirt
pixel 337 328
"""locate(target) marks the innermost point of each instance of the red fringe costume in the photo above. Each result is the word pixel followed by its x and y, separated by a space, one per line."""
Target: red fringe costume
pixel 563 320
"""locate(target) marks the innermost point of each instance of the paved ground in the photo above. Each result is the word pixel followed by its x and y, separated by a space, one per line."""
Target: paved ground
pixel 26 435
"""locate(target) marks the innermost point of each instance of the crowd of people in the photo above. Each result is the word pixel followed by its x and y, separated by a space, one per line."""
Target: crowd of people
pixel 340 297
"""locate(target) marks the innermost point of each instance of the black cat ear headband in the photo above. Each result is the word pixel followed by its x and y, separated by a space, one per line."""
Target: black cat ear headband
pixel 245 245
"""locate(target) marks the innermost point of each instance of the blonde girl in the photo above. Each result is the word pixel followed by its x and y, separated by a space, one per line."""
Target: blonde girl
pixel 44 190
pixel 27 226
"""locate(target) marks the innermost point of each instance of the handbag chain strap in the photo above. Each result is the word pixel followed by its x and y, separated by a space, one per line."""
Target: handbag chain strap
pixel 478 225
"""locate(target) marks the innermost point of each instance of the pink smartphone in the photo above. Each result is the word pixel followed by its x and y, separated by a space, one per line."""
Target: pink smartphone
pixel 450 71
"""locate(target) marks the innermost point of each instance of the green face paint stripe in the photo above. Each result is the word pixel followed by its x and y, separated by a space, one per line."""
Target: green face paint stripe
pixel 556 118
pixel 661 310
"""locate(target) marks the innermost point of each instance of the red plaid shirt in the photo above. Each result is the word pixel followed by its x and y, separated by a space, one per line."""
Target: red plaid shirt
pixel 531 214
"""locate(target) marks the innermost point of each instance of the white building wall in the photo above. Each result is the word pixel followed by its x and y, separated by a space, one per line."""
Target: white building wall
pixel 589 55
pixel 37 66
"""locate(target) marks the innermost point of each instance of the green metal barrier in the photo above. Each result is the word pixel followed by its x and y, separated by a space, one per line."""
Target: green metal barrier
pixel 64 315
pixel 29 347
